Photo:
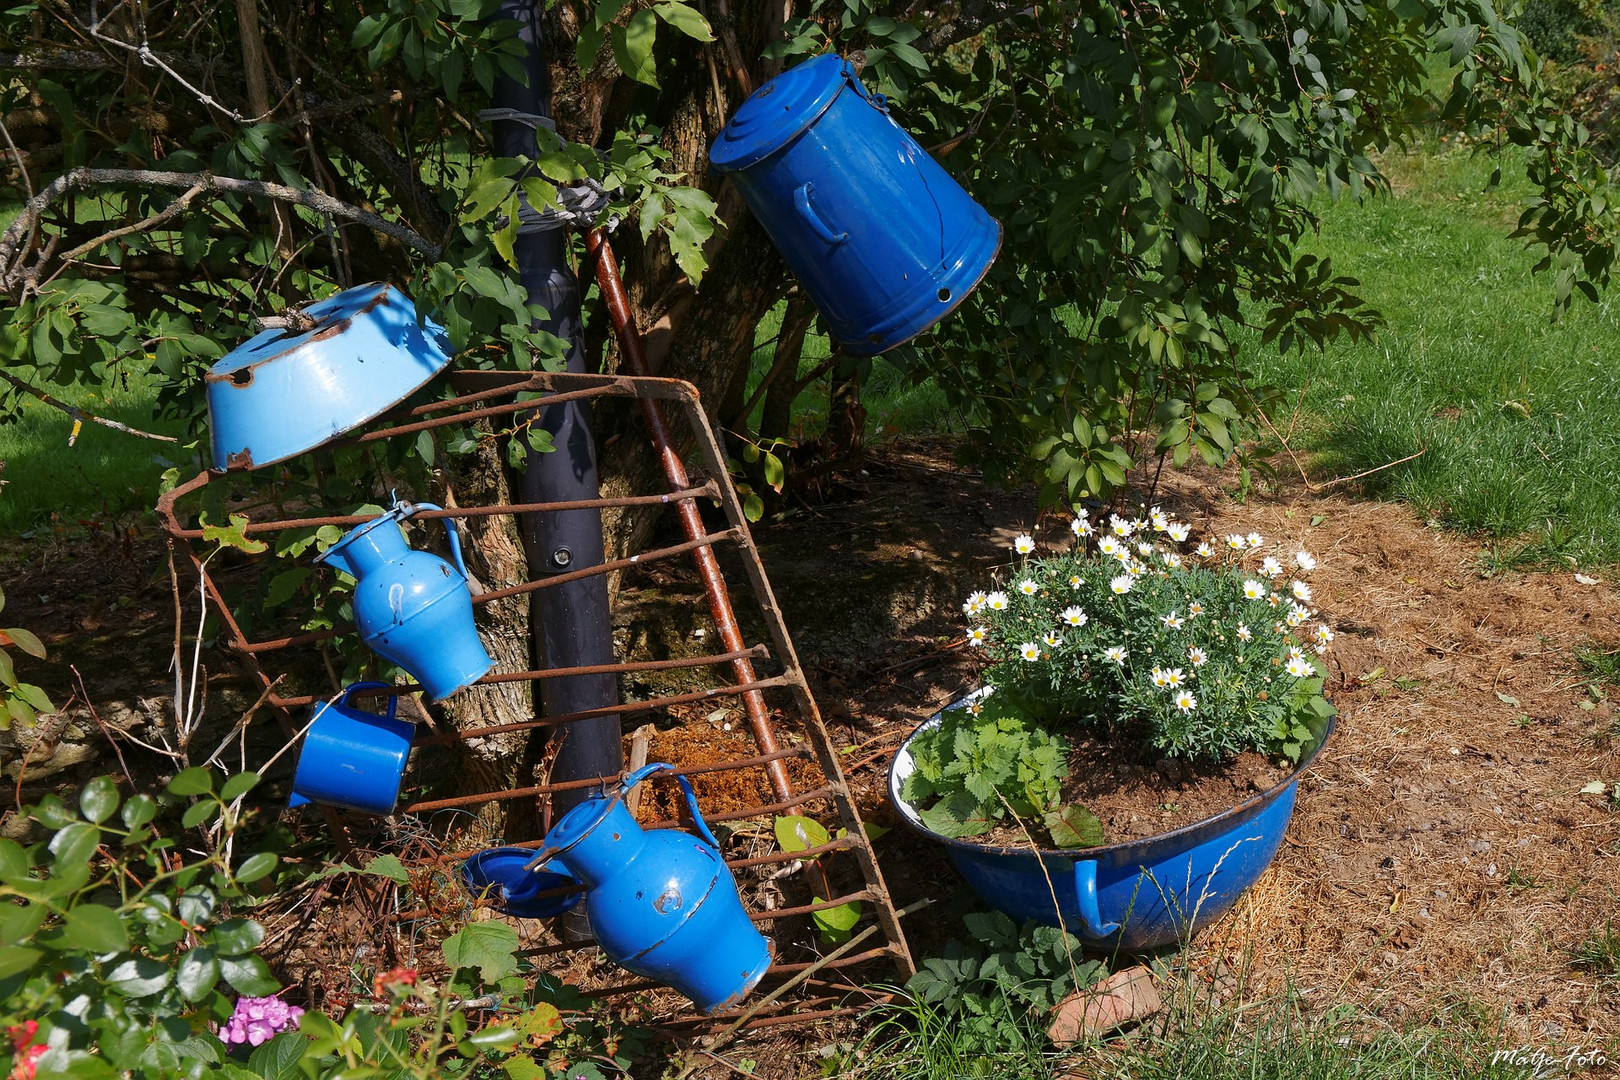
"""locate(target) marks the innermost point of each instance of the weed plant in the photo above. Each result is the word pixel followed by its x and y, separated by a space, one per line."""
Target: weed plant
pixel 1599 954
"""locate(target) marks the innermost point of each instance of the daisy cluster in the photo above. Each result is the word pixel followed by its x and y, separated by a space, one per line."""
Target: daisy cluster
pixel 1211 648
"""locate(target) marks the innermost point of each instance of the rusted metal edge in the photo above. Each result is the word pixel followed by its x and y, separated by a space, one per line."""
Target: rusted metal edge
pixel 487 797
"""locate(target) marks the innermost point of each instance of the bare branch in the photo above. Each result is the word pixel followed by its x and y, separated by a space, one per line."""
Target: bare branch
pixel 972 18
pixel 144 53
pixel 151 221
pixel 84 178
pixel 78 414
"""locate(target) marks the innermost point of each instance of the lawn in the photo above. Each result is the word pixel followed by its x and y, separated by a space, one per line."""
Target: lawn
pixel 1509 412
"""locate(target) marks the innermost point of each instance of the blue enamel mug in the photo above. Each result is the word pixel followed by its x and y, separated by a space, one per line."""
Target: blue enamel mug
pixel 351 758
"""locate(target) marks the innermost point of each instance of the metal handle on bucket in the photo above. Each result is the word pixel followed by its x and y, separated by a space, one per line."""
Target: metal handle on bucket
pixel 1085 887
pixel 450 527
pixel 393 699
pixel 801 199
pixel 686 786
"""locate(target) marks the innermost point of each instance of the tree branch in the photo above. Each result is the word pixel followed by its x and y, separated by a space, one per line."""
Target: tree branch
pixel 84 178
pixel 972 18
pixel 79 415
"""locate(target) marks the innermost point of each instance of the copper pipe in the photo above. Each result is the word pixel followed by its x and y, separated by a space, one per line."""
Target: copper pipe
pixel 725 620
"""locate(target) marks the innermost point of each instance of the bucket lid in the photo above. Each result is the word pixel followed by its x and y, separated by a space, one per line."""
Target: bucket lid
pixel 779 111
pixel 578 822
pixel 324 314
pixel 500 872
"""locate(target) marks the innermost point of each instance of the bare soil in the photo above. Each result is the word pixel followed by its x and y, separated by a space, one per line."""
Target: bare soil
pixel 1443 864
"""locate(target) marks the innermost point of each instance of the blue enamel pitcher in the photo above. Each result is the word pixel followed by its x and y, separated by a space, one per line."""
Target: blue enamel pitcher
pixel 352 758
pixel 884 240
pixel 662 903
pixel 411 607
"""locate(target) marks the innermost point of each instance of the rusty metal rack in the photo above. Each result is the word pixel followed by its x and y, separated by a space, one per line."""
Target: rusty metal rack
pixel 492 396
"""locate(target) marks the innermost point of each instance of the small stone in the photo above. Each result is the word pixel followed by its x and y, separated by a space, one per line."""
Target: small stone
pixel 1481 846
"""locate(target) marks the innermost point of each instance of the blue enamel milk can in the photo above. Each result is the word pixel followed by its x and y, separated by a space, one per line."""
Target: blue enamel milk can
pixel 351 758
pixel 662 903
pixel 880 236
pixel 350 357
pixel 411 607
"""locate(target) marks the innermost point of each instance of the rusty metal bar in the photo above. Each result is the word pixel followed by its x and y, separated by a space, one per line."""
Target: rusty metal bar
pixel 529 586
pixel 807 909
pixel 714 586
pixel 708 491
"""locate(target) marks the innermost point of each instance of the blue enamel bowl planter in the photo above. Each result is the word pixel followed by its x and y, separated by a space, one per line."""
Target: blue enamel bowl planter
pixel 1135 896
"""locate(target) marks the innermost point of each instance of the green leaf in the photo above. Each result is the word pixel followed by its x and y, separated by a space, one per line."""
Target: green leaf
pixel 96 928
pixel 26 641
pixel 193 781
pixel 8 672
pixel 233 937
pixel 99 799
pixel 836 922
pixel 13 860
pixel 633 47
pixel 198 812
pixel 255 867
pixel 687 21
pixel 138 976
pixel 248 975
pixel 75 843
pixel 796 833
pixel 487 946
pixel 238 785
pixel 137 811
pixel 234 535
pixel 1074 826
pixel 16 959
pixel 279 1058
pixel 18 921
pixel 197 973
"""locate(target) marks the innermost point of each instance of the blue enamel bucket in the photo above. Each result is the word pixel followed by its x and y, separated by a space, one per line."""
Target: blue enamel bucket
pixel 352 758
pixel 880 236
pixel 282 392
pixel 1135 896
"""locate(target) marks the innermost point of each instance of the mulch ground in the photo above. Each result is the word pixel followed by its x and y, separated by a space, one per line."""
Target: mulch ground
pixel 1443 864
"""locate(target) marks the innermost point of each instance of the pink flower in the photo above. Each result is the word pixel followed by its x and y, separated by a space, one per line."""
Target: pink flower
pixel 256 1020
pixel 27 1056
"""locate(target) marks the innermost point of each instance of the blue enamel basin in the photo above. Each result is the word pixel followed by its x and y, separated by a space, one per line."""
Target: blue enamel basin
pixel 1135 896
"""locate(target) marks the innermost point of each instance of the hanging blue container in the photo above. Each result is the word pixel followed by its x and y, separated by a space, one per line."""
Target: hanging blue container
pixel 662 903
pixel 411 607
pixel 353 355
pixel 502 874
pixel 1135 896
pixel 351 758
pixel 880 236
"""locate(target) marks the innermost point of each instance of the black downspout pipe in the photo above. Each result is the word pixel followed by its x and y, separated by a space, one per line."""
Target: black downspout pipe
pixel 569 625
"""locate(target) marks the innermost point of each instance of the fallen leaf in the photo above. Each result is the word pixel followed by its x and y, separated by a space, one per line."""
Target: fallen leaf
pixel 1507 699
pixel 1584 580
pixel 1596 787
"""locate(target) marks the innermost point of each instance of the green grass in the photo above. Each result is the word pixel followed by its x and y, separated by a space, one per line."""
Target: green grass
pixel 1599 954
pixel 104 477
pixel 1512 413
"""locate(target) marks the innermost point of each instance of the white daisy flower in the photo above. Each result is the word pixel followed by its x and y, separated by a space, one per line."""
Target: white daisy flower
pixel 1274 600
pixel 1305 561
pixel 996 601
pixel 974 605
pixel 1160 520
pixel 1323 634
pixel 1174 677
pixel 1172 620
pixel 1252 590
pixel 1172 560
pixel 1075 581
pixel 1296 617
pixel 1185 701
pixel 1135 569
pixel 1122 584
pixel 1299 667
pixel 1255 540
pixel 1108 545
pixel 1244 633
pixel 1236 542
pixel 1195 609
pixel 1116 653
pixel 1023 545
pixel 1145 549
pixel 1073 616
pixel 1161 678
pixel 1302 591
pixel 1029 651
pixel 1081 527
pixel 1203 550
pixel 1178 531
pixel 1052 639
pixel 1121 526
pixel 1270 567
pixel 978 637
pixel 1197 656
pixel 1028 587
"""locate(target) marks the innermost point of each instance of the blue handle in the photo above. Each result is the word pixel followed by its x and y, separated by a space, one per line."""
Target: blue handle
pixel 450 527
pixel 801 199
pixel 686 786
pixel 393 699
pixel 1085 887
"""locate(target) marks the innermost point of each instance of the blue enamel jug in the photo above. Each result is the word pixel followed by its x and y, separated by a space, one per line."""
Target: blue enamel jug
pixel 352 758
pixel 884 240
pixel 662 903
pixel 411 607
